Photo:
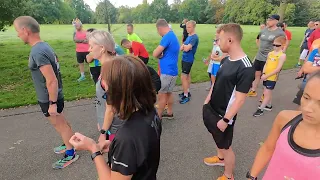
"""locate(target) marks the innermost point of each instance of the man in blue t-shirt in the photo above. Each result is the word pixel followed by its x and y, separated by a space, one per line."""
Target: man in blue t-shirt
pixel 167 53
pixel 189 48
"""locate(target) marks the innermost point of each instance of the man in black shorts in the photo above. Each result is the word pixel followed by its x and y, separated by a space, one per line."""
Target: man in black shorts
pixel 45 72
pixel 266 38
pixel 227 96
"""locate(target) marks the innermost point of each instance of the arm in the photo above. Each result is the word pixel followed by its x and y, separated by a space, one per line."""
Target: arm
pixel 158 51
pixel 108 117
pixel 51 81
pixel 309 68
pixel 182 25
pixel 104 171
pixel 77 40
pixel 258 40
pixel 89 58
pixel 188 47
pixel 279 67
pixel 266 150
pixel 219 58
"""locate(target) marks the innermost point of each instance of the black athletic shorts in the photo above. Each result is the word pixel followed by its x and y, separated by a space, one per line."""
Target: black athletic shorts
pixel 186 67
pixel 223 140
pixel 145 60
pixel 81 56
pixel 259 65
pixel 45 107
pixel 95 72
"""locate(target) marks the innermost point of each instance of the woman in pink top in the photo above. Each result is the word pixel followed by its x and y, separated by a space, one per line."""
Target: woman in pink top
pixel 82 48
pixel 292 148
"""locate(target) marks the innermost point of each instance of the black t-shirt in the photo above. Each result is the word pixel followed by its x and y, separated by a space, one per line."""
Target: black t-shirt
pixel 185 32
pixel 155 78
pixel 233 75
pixel 135 149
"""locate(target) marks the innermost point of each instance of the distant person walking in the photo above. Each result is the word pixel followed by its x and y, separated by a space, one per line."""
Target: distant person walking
pixel 262 26
pixel 45 72
pixel 131 36
pixel 304 49
pixel 82 48
pixel 266 39
pixel 167 53
pixel 183 25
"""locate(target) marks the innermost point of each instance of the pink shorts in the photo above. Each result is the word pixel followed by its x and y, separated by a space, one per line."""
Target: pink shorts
pixel 111 137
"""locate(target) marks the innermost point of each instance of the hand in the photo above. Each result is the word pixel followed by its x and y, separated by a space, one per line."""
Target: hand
pixel 53 110
pixel 222 125
pixel 81 142
pixel 300 73
pixel 104 146
pixel 181 48
pixel 263 77
pixel 102 137
pixel 160 56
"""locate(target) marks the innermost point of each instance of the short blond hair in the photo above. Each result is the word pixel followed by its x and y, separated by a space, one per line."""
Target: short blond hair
pixel 234 29
pixel 281 39
pixel 103 38
pixel 162 23
pixel 192 22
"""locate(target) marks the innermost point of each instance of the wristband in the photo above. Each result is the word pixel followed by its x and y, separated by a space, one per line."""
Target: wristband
pixel 250 177
pixel 226 120
pixel 51 102
pixel 94 155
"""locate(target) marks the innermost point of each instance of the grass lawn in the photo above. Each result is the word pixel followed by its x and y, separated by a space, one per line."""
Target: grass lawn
pixel 16 87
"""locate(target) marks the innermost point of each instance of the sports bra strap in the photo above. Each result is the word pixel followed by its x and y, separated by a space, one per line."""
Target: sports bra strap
pixel 294 121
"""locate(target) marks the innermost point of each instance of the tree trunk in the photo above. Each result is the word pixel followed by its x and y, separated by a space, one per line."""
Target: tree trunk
pixel 282 9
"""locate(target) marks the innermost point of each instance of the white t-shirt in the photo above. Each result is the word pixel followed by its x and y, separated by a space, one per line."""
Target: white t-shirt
pixel 215 50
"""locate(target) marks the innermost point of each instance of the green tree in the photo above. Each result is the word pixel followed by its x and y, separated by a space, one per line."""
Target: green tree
pixel 159 9
pixel 106 13
pixel 175 16
pixel 141 13
pixel 66 14
pixel 82 10
pixel 125 14
pixel 9 11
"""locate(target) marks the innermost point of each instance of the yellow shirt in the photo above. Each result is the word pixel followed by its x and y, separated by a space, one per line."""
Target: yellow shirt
pixel 271 64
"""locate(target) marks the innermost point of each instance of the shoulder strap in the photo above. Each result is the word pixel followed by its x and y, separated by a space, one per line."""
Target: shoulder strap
pixel 294 121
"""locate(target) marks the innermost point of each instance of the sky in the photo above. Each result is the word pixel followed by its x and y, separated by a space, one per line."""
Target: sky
pixel 117 3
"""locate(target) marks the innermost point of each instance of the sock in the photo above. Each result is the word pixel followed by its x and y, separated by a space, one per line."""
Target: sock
pixel 185 94
pixel 188 90
pixel 70 152
pixel 82 74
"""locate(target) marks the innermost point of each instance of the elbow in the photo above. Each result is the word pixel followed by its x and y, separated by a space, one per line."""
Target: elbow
pixel 52 83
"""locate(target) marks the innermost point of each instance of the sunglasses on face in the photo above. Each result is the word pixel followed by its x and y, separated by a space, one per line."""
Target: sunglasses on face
pixel 277 45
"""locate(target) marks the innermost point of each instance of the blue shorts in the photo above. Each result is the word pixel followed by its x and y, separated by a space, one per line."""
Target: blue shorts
pixel 215 68
pixel 269 84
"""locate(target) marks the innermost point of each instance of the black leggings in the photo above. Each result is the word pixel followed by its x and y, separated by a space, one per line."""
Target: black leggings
pixel 145 60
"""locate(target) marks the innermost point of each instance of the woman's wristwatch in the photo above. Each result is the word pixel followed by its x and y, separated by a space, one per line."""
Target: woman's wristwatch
pixel 94 155
pixel 250 177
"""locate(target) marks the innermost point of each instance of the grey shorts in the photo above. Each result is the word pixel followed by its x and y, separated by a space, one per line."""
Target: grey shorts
pixel 167 83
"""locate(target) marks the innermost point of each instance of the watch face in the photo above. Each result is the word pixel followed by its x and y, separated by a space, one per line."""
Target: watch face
pixel 102 131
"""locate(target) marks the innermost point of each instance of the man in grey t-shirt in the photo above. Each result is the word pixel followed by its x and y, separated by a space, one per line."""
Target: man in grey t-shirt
pixel 45 72
pixel 266 38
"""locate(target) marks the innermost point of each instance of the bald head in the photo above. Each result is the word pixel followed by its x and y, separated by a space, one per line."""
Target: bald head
pixel 27 22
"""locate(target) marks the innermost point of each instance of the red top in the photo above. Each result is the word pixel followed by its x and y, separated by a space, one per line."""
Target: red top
pixel 288 34
pixel 138 49
pixel 314 36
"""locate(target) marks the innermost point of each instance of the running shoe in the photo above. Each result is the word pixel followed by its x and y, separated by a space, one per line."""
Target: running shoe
pixel 252 93
pixel 167 116
pixel 258 113
pixel 181 95
pixel 213 161
pixel 184 100
pixel 66 161
pixel 268 108
pixel 82 78
pixel 60 149
pixel 297 65
pixel 224 177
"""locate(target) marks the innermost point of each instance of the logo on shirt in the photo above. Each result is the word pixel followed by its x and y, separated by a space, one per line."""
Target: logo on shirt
pixel 271 37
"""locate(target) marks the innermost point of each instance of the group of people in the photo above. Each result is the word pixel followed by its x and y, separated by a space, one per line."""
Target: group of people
pixel 127 90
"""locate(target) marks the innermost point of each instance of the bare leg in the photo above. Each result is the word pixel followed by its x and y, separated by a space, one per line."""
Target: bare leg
pixel 184 80
pixel 229 161
pixel 81 67
pixel 213 79
pixel 267 98
pixel 162 101
pixel 189 80
pixel 63 128
pixel 256 81
pixel 170 103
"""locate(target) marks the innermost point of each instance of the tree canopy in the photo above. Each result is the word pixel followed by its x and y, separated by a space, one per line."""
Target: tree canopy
pixel 294 12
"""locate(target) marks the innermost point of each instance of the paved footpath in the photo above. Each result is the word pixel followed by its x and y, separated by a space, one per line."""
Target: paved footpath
pixel 27 140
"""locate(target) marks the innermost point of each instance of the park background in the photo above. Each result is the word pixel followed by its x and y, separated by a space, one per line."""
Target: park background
pixel 55 17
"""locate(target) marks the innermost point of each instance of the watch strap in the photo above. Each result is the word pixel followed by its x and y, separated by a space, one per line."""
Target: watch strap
pixel 52 102
pixel 102 131
pixel 94 155
pixel 226 120
pixel 250 177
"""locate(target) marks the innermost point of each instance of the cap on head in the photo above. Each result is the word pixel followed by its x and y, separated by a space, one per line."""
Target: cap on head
pixel 274 17
pixel 162 23
pixel 28 22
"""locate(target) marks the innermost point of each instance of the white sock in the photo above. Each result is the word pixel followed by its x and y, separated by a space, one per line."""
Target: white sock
pixel 82 74
pixel 185 94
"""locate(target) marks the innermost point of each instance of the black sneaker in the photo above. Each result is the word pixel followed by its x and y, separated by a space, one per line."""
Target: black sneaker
pixel 258 113
pixel 181 95
pixel 167 116
pixel 268 108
